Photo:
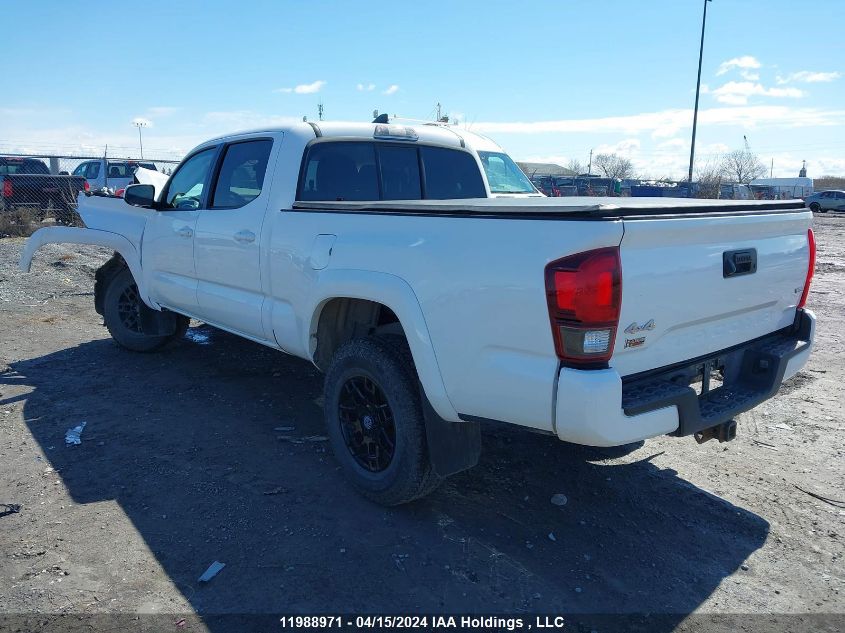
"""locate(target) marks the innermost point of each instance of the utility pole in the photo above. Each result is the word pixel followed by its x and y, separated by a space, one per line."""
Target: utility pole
pixel 139 125
pixel 320 110
pixel 772 169
pixel 697 92
pixel 590 165
pixel 437 118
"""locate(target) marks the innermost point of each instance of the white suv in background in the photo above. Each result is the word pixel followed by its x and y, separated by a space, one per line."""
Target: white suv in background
pixel 118 174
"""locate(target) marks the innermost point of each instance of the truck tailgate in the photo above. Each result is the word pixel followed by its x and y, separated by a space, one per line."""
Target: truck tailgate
pixel 693 285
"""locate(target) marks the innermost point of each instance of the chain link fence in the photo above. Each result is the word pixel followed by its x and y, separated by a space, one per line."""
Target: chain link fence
pixel 43 188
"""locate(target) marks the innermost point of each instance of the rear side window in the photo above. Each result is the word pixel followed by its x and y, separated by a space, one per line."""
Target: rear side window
pixel 340 171
pixel 121 170
pixel 451 174
pixel 241 176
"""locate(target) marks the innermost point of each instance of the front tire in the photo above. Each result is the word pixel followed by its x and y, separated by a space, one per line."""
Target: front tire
pixel 122 314
pixel 814 207
pixel 375 422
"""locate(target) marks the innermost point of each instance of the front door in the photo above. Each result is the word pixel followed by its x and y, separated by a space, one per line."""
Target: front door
pixel 227 246
pixel 168 250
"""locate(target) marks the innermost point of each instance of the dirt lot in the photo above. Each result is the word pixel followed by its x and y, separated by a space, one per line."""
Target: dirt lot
pixel 181 465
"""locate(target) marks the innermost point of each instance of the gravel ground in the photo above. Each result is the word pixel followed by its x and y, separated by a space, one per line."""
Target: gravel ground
pixel 182 464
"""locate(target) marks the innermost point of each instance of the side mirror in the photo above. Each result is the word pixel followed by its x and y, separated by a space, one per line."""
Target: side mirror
pixel 140 196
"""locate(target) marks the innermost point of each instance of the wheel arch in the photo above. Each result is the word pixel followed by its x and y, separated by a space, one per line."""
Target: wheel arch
pixel 351 303
pixel 73 235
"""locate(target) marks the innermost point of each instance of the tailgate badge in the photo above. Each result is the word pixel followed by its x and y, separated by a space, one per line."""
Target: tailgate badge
pixel 648 326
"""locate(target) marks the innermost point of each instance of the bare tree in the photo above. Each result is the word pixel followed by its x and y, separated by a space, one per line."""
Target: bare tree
pixel 829 182
pixel 709 177
pixel 575 166
pixel 614 166
pixel 742 166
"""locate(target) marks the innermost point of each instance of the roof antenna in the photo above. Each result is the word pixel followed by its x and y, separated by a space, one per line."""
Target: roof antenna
pixel 380 118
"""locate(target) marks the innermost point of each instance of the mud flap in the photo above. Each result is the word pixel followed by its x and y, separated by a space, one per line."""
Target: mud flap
pixel 452 446
pixel 157 323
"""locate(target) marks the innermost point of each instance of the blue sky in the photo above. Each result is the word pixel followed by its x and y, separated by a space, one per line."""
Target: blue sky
pixel 547 80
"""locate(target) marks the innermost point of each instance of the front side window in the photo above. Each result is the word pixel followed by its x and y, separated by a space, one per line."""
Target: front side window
pixel 80 169
pixel 338 171
pixel 185 188
pixel 241 176
pixel 93 170
pixel 451 174
pixel 503 175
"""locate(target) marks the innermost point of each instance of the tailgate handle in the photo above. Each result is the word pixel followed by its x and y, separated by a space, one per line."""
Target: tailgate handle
pixel 736 263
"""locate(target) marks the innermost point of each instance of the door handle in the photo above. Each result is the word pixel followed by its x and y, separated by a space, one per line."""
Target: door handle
pixel 185 232
pixel 245 237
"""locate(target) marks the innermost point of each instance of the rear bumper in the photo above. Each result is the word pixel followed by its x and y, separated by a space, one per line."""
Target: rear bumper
pixel 600 408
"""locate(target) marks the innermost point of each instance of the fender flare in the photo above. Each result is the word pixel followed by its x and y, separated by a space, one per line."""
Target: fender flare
pixel 396 294
pixel 95 237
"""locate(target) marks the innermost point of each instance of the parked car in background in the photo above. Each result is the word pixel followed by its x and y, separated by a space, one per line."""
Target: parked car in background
pixel 736 191
pixel 27 182
pixel 825 201
pixel 117 175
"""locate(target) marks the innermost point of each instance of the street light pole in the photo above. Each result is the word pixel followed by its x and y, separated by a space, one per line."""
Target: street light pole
pixel 139 125
pixel 697 92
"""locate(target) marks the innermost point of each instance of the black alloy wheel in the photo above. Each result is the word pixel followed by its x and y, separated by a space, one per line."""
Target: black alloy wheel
pixel 367 423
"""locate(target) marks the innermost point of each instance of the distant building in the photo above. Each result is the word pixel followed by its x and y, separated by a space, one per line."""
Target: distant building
pixel 538 170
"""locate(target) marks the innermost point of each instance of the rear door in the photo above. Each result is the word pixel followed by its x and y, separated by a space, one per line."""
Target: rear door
pixel 228 239
pixel 693 285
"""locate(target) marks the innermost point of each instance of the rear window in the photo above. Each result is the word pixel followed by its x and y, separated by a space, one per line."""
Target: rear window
pixel 357 171
pixel 22 166
pixel 400 172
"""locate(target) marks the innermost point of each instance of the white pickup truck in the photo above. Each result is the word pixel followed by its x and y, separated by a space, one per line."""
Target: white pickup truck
pixel 423 273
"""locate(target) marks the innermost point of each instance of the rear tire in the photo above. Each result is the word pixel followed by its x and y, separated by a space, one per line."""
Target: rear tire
pixel 375 422
pixel 122 314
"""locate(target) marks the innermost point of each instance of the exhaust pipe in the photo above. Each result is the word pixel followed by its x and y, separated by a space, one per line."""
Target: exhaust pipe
pixel 722 432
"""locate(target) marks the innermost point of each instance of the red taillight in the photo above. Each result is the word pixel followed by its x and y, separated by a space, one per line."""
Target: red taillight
pixel 584 293
pixel 7 188
pixel 86 186
pixel 811 267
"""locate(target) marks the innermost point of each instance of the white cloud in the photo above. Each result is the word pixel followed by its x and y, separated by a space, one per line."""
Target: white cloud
pixel 139 120
pixel 393 89
pixel 366 87
pixel 304 89
pixel 737 92
pixel 627 147
pixel 749 75
pixel 667 123
pixel 809 77
pixel 745 62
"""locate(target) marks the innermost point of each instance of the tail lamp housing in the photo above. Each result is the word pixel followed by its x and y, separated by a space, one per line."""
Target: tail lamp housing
pixel 811 267
pixel 584 294
pixel 7 188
